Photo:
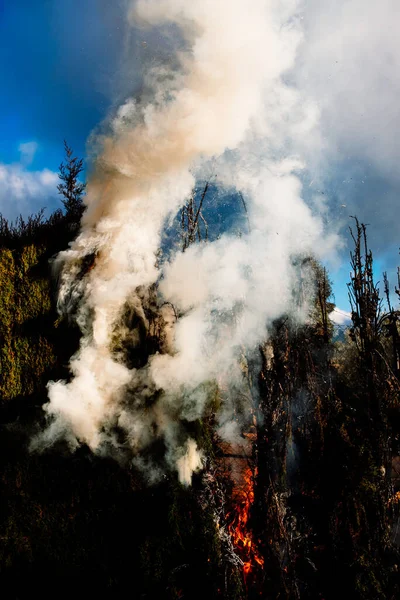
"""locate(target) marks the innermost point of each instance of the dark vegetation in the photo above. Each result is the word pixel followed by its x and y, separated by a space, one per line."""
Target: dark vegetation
pixel 319 498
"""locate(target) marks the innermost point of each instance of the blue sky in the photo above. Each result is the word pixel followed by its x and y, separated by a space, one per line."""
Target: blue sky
pixel 60 73
pixel 57 61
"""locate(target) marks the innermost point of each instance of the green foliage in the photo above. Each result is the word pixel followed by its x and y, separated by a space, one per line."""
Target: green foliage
pixel 71 189
pixel 25 354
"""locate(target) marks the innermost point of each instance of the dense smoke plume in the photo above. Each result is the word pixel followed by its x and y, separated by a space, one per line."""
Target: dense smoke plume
pixel 222 100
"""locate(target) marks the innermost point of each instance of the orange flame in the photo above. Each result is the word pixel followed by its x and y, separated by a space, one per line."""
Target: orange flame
pixel 238 527
pixel 395 498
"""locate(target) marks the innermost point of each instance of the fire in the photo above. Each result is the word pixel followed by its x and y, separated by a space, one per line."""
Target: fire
pixel 395 498
pixel 239 526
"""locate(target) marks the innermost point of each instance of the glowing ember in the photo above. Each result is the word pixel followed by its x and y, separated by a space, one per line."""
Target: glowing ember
pixel 238 527
pixel 395 499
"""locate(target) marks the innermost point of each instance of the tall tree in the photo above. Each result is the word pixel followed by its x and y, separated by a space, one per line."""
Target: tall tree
pixel 71 188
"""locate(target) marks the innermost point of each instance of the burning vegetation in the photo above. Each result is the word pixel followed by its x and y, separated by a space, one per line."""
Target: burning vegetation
pixel 303 483
pixel 185 425
pixel 239 523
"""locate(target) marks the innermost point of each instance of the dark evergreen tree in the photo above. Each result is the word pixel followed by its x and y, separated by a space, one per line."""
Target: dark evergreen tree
pixel 71 188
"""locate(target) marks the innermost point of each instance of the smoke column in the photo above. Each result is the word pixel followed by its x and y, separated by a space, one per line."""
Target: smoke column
pixel 223 99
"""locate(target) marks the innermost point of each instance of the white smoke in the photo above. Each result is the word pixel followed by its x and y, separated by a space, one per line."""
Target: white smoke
pixel 227 102
pixel 351 64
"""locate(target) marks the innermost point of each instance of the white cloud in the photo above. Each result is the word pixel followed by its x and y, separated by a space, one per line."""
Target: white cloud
pixel 25 192
pixel 340 317
pixel 350 65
